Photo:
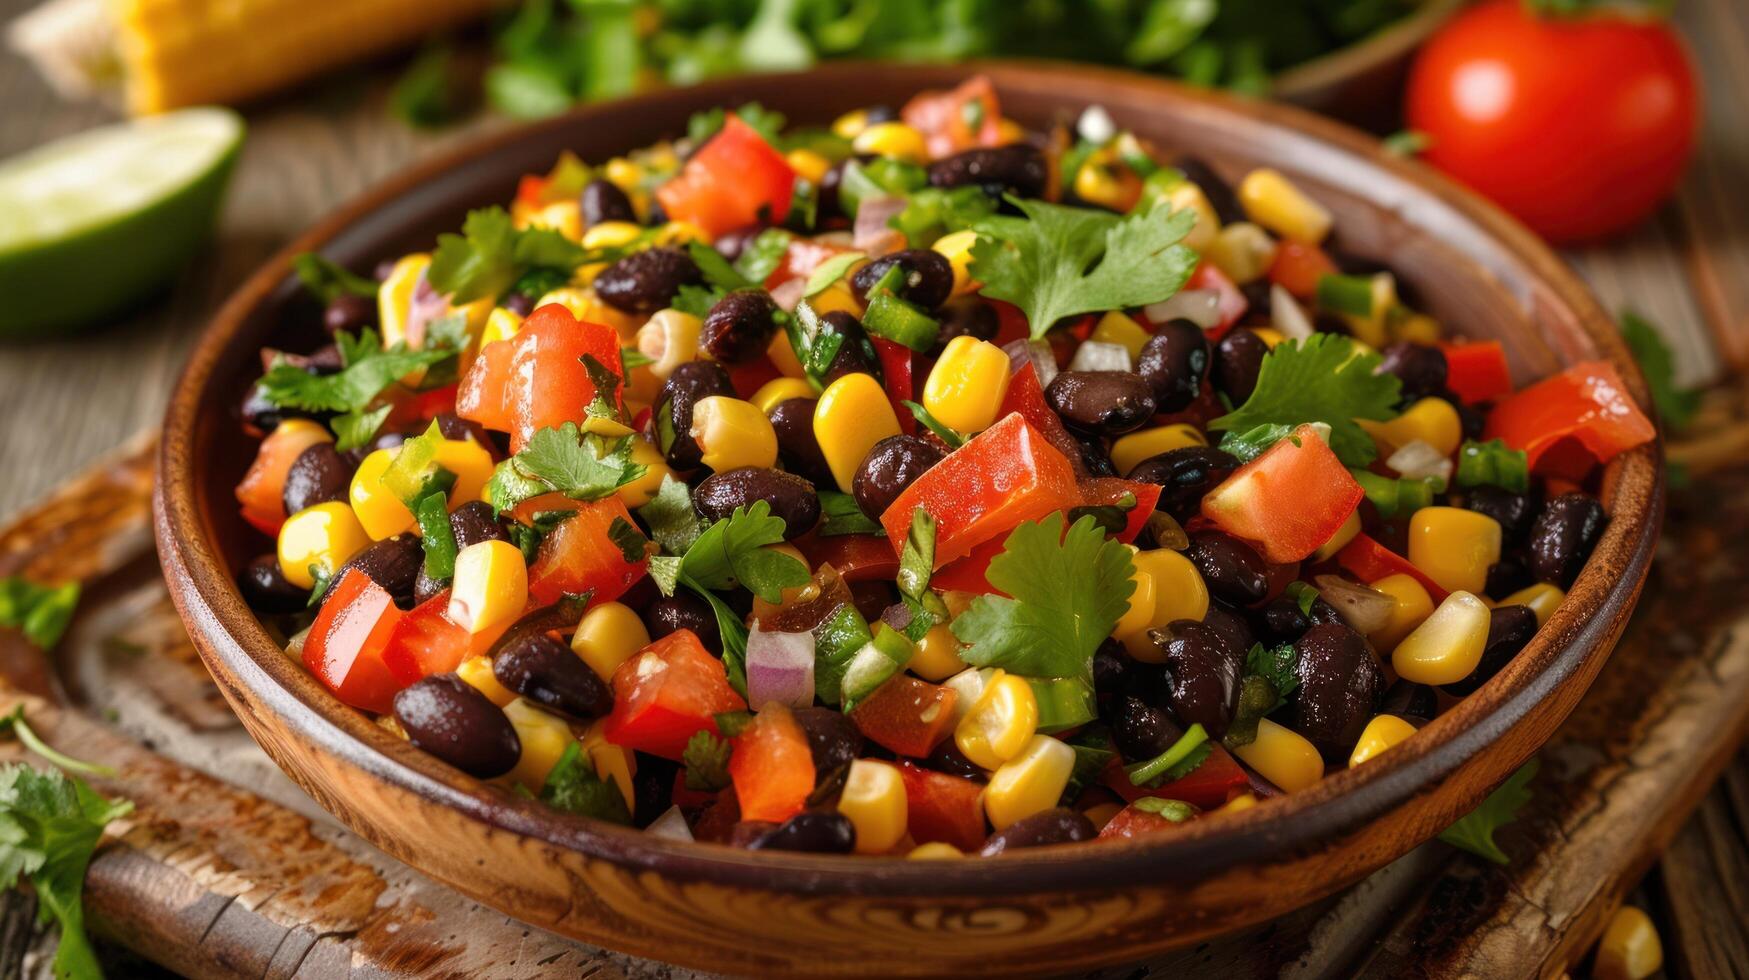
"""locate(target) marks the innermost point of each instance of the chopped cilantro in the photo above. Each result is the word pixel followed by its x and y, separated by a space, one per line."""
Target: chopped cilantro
pixel 491 256
pixel 1474 831
pixel 768 123
pixel 706 758
pixel 563 460
pixel 42 612
pixel 436 536
pixel 764 254
pixel 368 370
pixel 630 541
pixel 916 563
pixel 670 517
pixel 717 270
pixel 1175 763
pixel 355 429
pixel 1278 664
pixel 1676 405
pixel 733 552
pixel 1492 463
pixel 840 515
pixel 330 280
pixel 1323 378
pixel 696 300
pixel 953 439
pixel 732 723
pixel 574 787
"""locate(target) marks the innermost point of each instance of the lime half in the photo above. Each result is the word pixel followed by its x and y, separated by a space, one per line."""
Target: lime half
pixel 94 222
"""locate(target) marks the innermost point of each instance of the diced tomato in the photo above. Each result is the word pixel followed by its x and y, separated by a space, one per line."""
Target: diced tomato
pixel 1205 787
pixel 1587 403
pixel 1233 302
pixel 1010 323
pixel 1297 268
pixel 749 377
pixel 423 406
pixel 1003 476
pixel 667 693
pixel 482 392
pixel 536 379
pixel 1026 396
pixel 906 715
pixel 1106 490
pixel 943 808
pixel 957 119
pixel 1134 822
pixel 968 573
pixel 1289 501
pixel 426 641
pixel 736 179
pixel 531 189
pixel 345 645
pixel 896 378
pixel 580 556
pixel 262 489
pixel 803 256
pixel 1476 371
pixel 772 766
pixel 1369 561
pixel 857 557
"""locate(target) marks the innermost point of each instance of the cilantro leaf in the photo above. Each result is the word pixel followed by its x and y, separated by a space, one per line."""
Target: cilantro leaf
pixel 330 280
pixel 768 123
pixel 369 369
pixel 732 551
pixel 669 515
pixel 840 515
pixel 42 612
pixel 1474 831
pixel 563 460
pixel 491 256
pixel 706 758
pixel 1060 261
pixel 16 724
pixel 717 270
pixel 734 633
pixel 1068 591
pixel 574 787
pixel 1676 405
pixel 1278 664
pixel 356 428
pixel 1323 378
pixel 696 300
pixel 764 254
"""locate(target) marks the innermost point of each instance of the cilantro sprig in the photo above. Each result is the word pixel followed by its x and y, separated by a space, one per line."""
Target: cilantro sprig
pixel 1474 831
pixel 574 786
pixel 566 460
pixel 706 758
pixel 42 612
pixel 1323 378
pixel 492 257
pixel 329 280
pixel 367 369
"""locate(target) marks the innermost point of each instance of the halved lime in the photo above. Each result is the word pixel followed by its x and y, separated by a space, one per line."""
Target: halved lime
pixel 92 223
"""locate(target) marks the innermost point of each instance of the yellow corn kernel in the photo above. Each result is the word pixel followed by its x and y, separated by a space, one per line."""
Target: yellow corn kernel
pixel 808 165
pixel 1274 202
pixel 607 636
pixel 324 535
pixel 379 511
pixel 938 655
pixel 1282 756
pixel 564 217
pixel 966 387
pixel 1411 605
pixel 544 738
pixel 892 139
pixel 1431 420
pixel 779 390
pixel 1030 782
pixel 490 586
pixel 611 234
pixel 1117 327
pixel 935 851
pixel 1000 723
pixel 1179 593
pixel 1104 180
pixel 874 802
pixel 642 490
pixel 836 298
pixel 1238 804
pixel 395 296
pixel 1187 195
pixel 851 416
pixel 680 233
pixel 1140 614
pixel 1008 131
pixel 623 173
pixel 1269 335
pixel 1418 328
pixel 1129 450
pixel 1380 734
pixel 850 125
pixel 1101 814
pixel 1243 251
pixel 476 672
pixel 1542 598
pixel 1349 530
pixel 669 339
pixel 610 761
pixel 1448 645
pixel 472 465
pixel 392 725
pixel 784 357
pixel 1454 547
pixel 733 433
pixel 956 247
pixel 501 324
pixel 1629 949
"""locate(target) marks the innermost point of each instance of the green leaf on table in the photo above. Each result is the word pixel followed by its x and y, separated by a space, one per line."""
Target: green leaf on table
pixel 1676 405
pixel 1474 832
pixel 42 612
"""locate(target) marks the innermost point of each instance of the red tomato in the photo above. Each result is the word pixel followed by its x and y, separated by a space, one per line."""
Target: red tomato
pixel 1369 561
pixel 968 573
pixel 1297 268
pixel 957 119
pixel 896 378
pixel 578 556
pixel 1132 822
pixel 736 179
pixel 857 557
pixel 906 715
pixel 344 648
pixel 803 256
pixel 1577 125
pixel 1010 323
pixel 1476 371
pixel 748 378
pixel 1005 475
pixel 1207 786
pixel 1290 500
pixel 772 766
pixel 262 489
pixel 1587 403
pixel 536 379
pixel 1109 489
pixel 426 641
pixel 483 387
pixel 666 693
pixel 1026 396
pixel 943 808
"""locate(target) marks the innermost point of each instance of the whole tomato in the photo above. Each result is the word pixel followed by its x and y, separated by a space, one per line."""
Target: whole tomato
pixel 1579 125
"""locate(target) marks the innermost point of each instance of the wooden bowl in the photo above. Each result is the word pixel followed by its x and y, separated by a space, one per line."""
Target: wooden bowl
pixel 1362 83
pixel 1050 909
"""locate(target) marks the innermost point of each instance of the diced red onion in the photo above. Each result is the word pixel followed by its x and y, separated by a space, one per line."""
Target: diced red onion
pixel 872 233
pixel 1038 352
pixel 1367 610
pixel 1286 314
pixel 788 293
pixel 1418 459
pixel 780 667
pixel 1200 306
pixel 1097 355
pixel 671 824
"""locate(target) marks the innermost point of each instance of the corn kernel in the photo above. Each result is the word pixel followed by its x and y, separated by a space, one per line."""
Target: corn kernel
pixel 1179 593
pixel 966 387
pixel 612 234
pixel 850 125
pixel 1238 804
pixel 395 296
pixel 1274 202
pixel 1431 420
pixel 1410 607
pixel 733 433
pixel 874 802
pixel 851 416
pixel 956 247
pixel 1454 547
pixel 607 636
pixel 1380 734
pixel 938 655
pixel 1187 195
pixel 1446 647
pixel 1130 450
pixel 1117 327
pixel 836 298
pixel 1103 180
pixel 892 139
pixel 1139 615
pixel 935 851
pixel 1243 251
pixel 1030 782
pixel 1542 598
pixel 1349 530
pixel 564 217
pixel 1630 948
pixel 379 511
pixel 502 324
pixel 808 165
pixel 544 738
pixel 476 672
pixel 1282 756
pixel 490 586
pixel 669 339
pixel 784 357
pixel 779 390
pixel 643 490
pixel 1417 328
pixel 998 726
pixel 623 173
pixel 680 233
pixel 472 465
pixel 1269 335
pixel 610 761
pixel 324 535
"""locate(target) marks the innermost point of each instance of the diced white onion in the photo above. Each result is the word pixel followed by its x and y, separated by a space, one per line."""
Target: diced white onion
pixel 1096 355
pixel 1418 459
pixel 1095 125
pixel 1367 610
pixel 780 667
pixel 969 685
pixel 671 824
pixel 1044 360
pixel 1285 313
pixel 872 234
pixel 1200 306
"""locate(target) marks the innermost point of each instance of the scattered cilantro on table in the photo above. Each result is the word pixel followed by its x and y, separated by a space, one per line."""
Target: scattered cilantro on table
pixel 1474 832
pixel 1676 405
pixel 42 612
pixel 1323 378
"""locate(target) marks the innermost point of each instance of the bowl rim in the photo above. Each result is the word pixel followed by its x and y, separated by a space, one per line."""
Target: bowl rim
pixel 1298 823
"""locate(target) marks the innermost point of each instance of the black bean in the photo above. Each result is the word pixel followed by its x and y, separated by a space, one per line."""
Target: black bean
pixel 829 204
pixel 1238 359
pixel 546 671
pixel 1282 620
pixel 1340 684
pixel 1420 367
pixel 1185 475
pixel 797 446
pixel 1259 301
pixel 261 415
pixel 652 788
pixel 1232 626
pixel 1563 536
pixel 1095 457
pixel 1410 701
pixel 793 499
pixel 317 476
pixel 947 757
pixel 1174 362
pixel 879 114
pixel 519 303
pixel 1233 570
pixel 833 739
pixel 1510 628
pixel 745 832
pixel 731 244
pixel 452 426
pixel 892 465
pixel 925 277
pixel 1219 193
pixel 855 354
pixel 349 312
pixel 1507 576
pixel 812 831
pixel 683 611
pixel 1205 675
pixel 382 440
pixel 1059 825
pixel 1101 403
pixel 1143 731
pixel 474 522
pixel 266 590
pixel 445 716
pixel 690 383
pixel 644 282
pixel 739 327
pixel 966 316
pixel 1110 671
pixel 872 598
pixel 1512 511
pixel 1017 169
pixel 602 200
pixel 393 563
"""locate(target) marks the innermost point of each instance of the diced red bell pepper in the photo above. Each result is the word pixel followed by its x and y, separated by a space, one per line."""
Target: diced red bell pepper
pixel 1205 787
pixel 481 396
pixel 1134 822
pixel 1369 561
pixel 956 119
pixel 1476 370
pixel 345 645
pixel 772 766
pixel 422 406
pixel 1297 268
pixel 580 556
pixel 736 179
pixel 536 379
pixel 1588 403
pixel 426 641
pixel 943 808
pixel 1027 397
pixel 857 557
pixel 1233 303
pixel 968 574
pixel 666 693
pixel 896 378
pixel 906 715
pixel 1107 490
pixel 749 377
pixel 1004 475
pixel 1010 323
pixel 1288 501
pixel 262 489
